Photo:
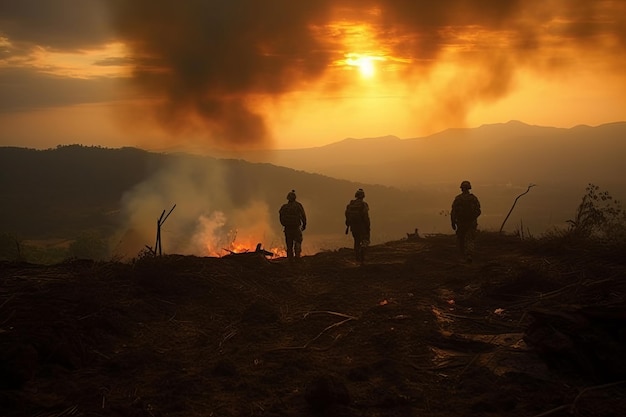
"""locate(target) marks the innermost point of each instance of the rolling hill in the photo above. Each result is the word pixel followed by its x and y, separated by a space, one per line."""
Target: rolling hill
pixel 120 193
pixel 507 152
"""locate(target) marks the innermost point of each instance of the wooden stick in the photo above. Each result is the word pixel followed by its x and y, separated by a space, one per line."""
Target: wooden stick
pixel 334 313
pixel 327 328
pixel 307 344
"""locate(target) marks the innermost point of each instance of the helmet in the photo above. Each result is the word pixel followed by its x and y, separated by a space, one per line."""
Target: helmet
pixel 291 195
pixel 359 193
pixel 466 184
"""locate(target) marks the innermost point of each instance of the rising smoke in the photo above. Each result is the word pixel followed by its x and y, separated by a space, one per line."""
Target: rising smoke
pixel 208 63
pixel 211 215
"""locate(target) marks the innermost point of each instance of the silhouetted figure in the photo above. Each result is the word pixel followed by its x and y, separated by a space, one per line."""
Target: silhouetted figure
pixel 358 220
pixel 293 219
pixel 464 218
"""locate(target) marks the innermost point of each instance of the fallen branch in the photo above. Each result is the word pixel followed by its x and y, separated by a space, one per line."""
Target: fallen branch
pixel 326 329
pixel 307 344
pixel 231 334
pixel 330 312
pixel 447 364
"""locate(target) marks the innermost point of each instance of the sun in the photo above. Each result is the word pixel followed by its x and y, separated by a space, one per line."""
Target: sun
pixel 364 63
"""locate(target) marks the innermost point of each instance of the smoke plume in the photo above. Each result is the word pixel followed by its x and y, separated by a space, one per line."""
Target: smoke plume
pixel 211 66
pixel 210 216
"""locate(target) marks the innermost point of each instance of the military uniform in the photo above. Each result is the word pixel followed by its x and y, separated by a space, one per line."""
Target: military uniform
pixel 464 219
pixel 293 219
pixel 358 221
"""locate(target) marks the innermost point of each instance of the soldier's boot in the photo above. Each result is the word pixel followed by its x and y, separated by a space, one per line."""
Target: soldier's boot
pixel 297 248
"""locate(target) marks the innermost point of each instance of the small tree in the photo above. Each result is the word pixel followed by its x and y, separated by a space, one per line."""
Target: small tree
pixel 598 216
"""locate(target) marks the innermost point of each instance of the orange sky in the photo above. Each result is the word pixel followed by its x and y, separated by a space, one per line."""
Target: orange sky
pixel 206 73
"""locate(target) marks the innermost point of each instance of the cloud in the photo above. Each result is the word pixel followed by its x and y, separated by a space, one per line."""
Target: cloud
pixel 208 60
pixel 217 69
pixel 24 89
pixel 56 24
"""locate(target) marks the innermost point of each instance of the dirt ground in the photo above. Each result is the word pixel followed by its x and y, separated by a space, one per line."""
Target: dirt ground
pixel 521 331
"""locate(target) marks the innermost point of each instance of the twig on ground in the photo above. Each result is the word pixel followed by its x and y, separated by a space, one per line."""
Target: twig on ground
pixel 7 300
pixel 447 364
pixel 334 313
pixel 326 329
pixel 307 344
pixel 227 337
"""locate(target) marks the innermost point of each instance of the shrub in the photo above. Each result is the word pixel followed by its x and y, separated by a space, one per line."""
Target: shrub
pixel 599 217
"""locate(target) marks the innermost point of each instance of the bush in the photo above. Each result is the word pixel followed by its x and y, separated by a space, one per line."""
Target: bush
pixel 599 217
pixel 598 230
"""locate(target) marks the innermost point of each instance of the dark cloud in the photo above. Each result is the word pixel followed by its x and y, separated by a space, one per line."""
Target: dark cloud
pixel 56 24
pixel 208 57
pixel 207 61
pixel 24 90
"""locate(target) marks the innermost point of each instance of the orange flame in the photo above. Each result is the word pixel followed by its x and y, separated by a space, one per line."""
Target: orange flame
pixel 242 246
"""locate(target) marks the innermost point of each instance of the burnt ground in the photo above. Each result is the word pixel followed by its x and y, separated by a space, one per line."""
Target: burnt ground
pixel 522 331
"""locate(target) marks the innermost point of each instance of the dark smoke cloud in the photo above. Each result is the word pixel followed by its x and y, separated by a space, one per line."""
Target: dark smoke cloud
pixel 208 59
pixel 55 24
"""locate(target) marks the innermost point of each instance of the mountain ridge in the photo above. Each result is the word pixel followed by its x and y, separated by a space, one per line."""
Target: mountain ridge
pixel 552 150
pixel 61 192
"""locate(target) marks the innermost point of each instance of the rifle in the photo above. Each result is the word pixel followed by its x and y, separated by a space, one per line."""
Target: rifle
pixel 347 229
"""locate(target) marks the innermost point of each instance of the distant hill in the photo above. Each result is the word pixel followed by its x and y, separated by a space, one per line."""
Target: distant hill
pixel 500 160
pixel 508 152
pixel 410 183
pixel 70 190
pixel 60 192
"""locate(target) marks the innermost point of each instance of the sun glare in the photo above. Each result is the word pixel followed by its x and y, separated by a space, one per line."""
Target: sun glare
pixel 364 63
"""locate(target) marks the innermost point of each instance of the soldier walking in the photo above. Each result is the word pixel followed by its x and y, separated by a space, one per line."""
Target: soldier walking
pixel 358 221
pixel 293 219
pixel 464 218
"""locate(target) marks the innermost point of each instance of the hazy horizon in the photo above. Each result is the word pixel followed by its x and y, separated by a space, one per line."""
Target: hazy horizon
pixel 208 151
pixel 233 203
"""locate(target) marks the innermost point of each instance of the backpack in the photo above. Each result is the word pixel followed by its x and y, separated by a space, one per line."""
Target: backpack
pixel 354 212
pixel 290 214
pixel 466 207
